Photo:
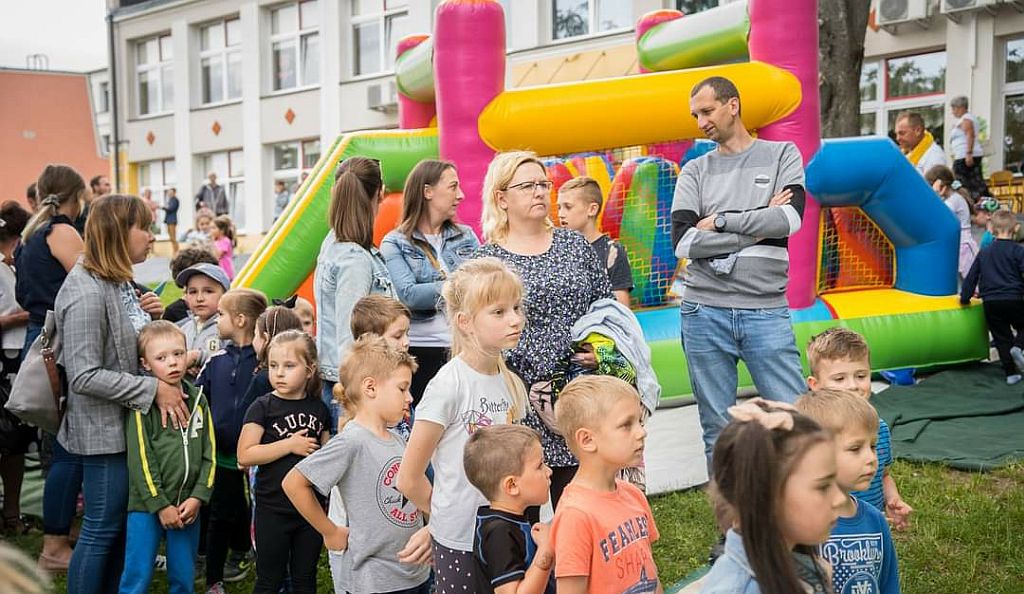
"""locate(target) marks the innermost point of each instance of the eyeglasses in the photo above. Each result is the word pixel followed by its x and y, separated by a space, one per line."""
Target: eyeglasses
pixel 532 187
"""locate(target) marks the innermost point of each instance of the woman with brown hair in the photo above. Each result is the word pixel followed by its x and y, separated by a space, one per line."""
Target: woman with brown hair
pixel 349 267
pixel 428 246
pixel 50 246
pixel 99 315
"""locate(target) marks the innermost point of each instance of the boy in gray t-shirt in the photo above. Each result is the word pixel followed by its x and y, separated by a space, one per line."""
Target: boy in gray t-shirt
pixel 381 520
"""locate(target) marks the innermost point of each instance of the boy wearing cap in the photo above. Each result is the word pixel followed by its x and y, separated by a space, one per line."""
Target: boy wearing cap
pixel 204 285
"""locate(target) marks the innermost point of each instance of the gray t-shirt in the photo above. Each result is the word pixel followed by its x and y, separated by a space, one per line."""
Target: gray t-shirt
pixel 381 519
pixel 746 265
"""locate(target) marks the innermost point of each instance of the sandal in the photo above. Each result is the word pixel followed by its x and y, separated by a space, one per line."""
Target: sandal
pixel 51 564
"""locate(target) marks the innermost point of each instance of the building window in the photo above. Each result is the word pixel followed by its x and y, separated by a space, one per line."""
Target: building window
pixel 153 58
pixel 913 76
pixel 908 83
pixel 105 145
pixel 692 6
pixel 573 18
pixel 293 161
pixel 377 25
pixel 158 177
pixel 103 97
pixel 1013 105
pixel 230 169
pixel 220 61
pixel 295 45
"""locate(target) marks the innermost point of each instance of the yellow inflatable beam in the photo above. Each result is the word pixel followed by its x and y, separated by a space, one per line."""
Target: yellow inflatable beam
pixel 628 111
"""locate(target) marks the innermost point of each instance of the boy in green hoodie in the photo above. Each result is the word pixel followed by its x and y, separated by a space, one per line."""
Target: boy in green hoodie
pixel 170 471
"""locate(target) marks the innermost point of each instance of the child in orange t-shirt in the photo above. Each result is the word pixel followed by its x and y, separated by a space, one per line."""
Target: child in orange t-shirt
pixel 603 528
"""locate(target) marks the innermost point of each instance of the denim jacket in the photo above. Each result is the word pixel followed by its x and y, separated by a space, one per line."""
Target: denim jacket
pixel 345 273
pixel 732 573
pixel 417 282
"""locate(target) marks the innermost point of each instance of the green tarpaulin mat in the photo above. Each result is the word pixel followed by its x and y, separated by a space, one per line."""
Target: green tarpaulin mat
pixel 966 418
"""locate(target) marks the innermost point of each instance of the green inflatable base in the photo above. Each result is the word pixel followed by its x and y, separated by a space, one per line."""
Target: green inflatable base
pixel 925 339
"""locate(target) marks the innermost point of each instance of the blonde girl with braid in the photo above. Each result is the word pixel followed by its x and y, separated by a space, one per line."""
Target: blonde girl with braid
pixel 474 389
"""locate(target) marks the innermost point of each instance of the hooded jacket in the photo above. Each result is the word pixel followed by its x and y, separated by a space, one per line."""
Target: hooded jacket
pixel 225 380
pixel 166 465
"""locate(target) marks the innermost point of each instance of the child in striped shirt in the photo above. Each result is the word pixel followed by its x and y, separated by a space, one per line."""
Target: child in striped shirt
pixel 840 359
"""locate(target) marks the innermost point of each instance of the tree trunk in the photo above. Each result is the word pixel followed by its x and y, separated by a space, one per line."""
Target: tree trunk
pixel 842 25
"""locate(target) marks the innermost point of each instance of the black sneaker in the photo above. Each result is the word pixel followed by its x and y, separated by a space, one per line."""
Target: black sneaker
pixel 237 566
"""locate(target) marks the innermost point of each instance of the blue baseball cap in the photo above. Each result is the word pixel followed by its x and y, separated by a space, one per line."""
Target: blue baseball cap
pixel 206 269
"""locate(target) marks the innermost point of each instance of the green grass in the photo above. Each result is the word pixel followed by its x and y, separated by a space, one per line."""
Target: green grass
pixel 967 533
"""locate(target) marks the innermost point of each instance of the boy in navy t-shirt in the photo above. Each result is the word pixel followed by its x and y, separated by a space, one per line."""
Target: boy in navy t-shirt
pixel 859 548
pixel 506 464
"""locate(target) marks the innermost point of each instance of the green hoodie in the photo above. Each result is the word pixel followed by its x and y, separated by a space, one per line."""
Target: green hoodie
pixel 166 466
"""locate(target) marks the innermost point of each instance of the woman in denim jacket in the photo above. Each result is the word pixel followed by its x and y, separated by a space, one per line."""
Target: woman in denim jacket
pixel 427 246
pixel 349 267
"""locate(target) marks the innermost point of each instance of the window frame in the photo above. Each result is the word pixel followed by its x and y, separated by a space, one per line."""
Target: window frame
pixel 103 97
pixel 297 37
pixel 593 11
pixel 224 53
pixel 387 62
pixel 1006 91
pixel 159 190
pixel 159 66
pixel 294 173
pixel 231 179
pixel 882 106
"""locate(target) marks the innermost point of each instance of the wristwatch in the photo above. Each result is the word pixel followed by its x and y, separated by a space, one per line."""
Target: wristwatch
pixel 720 223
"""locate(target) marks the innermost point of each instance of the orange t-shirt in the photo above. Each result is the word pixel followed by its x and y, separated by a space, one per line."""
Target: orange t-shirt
pixel 606 537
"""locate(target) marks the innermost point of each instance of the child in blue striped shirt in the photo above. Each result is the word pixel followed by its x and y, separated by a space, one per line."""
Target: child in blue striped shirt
pixel 840 359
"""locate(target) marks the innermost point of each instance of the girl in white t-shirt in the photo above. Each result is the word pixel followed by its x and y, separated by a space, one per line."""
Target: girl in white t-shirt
pixel 950 190
pixel 474 389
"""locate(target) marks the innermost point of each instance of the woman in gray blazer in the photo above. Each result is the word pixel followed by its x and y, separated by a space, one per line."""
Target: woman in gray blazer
pixel 99 314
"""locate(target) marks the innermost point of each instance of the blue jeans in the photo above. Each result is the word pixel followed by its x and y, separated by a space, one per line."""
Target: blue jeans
pixel 98 559
pixel 60 490
pixel 332 405
pixel 144 534
pixel 715 339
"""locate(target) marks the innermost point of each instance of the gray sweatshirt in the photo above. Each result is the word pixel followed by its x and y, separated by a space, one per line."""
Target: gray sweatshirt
pixel 755 236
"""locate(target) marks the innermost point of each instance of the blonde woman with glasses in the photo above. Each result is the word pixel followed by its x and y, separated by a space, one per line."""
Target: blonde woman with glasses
pixel 561 276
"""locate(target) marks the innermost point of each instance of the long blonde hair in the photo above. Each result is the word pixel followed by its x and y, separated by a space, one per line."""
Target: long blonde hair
pixel 494 220
pixel 368 356
pixel 475 285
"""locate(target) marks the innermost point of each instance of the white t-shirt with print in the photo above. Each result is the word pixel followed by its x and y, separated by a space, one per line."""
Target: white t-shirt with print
pixel 461 400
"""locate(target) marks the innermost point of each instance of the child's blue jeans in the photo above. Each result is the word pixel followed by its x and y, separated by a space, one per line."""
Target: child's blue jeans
pixel 144 534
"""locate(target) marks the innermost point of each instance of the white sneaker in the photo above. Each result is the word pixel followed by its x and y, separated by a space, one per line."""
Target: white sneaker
pixel 160 563
pixel 217 588
pixel 1013 379
pixel 1018 358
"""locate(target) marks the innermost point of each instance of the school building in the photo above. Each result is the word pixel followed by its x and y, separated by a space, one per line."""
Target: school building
pixel 254 90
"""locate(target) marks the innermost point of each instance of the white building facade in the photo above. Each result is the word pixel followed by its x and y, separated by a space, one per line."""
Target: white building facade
pixel 936 50
pixel 255 90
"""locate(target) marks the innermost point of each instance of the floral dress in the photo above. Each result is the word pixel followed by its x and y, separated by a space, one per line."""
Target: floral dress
pixel 559 285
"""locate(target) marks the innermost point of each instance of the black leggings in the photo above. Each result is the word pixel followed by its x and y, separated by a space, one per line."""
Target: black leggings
pixel 1003 319
pixel 430 360
pixel 228 525
pixel 285 544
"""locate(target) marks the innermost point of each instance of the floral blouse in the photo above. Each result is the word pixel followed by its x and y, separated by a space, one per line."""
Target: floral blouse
pixel 559 285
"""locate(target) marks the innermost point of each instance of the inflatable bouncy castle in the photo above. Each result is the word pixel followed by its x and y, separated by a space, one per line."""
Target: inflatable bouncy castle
pixel 877 251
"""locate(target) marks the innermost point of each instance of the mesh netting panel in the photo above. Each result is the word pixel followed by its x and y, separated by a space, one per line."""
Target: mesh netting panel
pixel 855 254
pixel 638 184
